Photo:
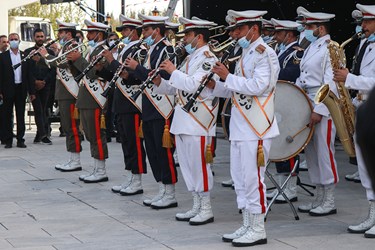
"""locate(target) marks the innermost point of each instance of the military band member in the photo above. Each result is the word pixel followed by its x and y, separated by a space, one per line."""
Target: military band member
pixel 252 125
pixel 364 82
pixel 357 16
pixel 234 31
pixel 316 70
pixel 289 54
pixel 66 93
pixel 193 130
pixel 128 112
pixel 156 113
pixel 91 103
pixel 302 41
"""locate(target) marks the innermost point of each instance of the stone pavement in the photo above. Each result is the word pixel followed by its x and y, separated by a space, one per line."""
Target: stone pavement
pixel 41 208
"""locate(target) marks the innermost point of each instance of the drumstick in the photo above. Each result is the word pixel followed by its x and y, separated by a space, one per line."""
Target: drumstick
pixel 290 139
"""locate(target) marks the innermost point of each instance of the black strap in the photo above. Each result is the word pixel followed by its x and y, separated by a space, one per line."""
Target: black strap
pixel 358 59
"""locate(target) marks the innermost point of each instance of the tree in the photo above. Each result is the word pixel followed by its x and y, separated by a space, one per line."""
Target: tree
pixel 67 12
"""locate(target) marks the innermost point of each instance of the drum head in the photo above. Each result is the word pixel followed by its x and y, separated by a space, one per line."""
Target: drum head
pixel 292 112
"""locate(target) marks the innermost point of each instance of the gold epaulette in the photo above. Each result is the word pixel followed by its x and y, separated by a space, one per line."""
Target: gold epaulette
pixel 168 43
pixel 260 49
pixel 298 48
pixel 208 54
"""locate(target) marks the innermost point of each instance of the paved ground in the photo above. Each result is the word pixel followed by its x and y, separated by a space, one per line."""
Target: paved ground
pixel 41 208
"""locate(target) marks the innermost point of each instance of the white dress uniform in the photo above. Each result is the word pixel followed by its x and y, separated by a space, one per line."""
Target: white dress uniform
pixel 251 88
pixel 260 76
pixel 193 130
pixel 191 137
pixel 364 83
pixel 316 70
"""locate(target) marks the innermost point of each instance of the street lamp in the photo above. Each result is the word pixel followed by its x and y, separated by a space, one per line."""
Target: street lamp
pixel 155 12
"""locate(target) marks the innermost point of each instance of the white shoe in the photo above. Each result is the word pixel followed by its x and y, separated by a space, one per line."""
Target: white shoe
pixel 328 205
pixel 205 214
pixel 242 230
pixel 303 165
pixel 73 165
pixel 279 178
pixel 192 212
pixel 370 233
pixel 125 184
pixel 255 235
pixel 227 183
pixel 135 186
pixel 168 200
pixel 351 177
pixel 59 166
pixel 160 195
pixel 368 223
pixel 99 174
pixel 290 191
pixel 318 200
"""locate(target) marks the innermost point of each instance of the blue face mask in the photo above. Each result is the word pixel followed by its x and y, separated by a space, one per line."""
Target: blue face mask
pixel 91 43
pixel 358 28
pixel 371 38
pixel 266 39
pixel 149 40
pixel 309 34
pixel 126 40
pixel 189 48
pixel 14 44
pixel 62 42
pixel 282 47
pixel 300 28
pixel 243 42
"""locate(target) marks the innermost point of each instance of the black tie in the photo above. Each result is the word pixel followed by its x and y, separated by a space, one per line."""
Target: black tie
pixel 359 57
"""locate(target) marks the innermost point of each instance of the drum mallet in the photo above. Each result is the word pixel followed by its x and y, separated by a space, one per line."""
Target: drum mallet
pixel 290 139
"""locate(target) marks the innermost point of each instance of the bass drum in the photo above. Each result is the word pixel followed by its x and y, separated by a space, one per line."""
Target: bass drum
pixel 225 116
pixel 292 112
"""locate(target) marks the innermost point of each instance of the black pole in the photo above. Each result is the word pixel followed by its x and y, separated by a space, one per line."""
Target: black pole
pixel 123 7
pixel 100 9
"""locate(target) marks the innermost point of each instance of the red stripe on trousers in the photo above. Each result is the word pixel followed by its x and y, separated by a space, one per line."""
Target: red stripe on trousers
pixel 260 186
pixel 98 138
pixel 331 159
pixel 170 160
pixel 75 129
pixel 138 143
pixel 204 165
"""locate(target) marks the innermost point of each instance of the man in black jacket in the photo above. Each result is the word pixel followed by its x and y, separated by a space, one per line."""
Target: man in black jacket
pixel 41 77
pixel 14 86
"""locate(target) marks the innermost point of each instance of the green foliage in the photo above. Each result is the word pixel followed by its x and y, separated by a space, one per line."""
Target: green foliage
pixel 67 12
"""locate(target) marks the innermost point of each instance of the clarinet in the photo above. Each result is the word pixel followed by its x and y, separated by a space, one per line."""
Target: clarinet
pixel 94 62
pixel 120 69
pixel 203 84
pixel 143 86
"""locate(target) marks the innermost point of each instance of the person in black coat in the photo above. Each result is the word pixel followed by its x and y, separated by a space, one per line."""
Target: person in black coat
pixel 14 86
pixel 41 77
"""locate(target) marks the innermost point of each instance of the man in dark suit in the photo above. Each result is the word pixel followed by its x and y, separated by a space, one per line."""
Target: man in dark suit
pixel 41 77
pixel 14 86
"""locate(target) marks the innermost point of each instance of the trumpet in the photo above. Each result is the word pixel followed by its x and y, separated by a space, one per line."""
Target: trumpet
pixel 35 52
pixel 61 59
pixel 218 30
pixel 98 58
pixel 221 46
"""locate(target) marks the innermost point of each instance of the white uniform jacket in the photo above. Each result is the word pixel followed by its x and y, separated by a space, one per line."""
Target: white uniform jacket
pixel 366 80
pixel 260 76
pixel 188 78
pixel 316 70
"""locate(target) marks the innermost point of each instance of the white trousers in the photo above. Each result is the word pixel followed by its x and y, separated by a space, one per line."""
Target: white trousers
pixel 320 154
pixel 191 155
pixel 363 174
pixel 247 177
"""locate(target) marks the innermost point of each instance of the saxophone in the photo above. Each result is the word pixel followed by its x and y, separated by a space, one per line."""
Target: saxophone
pixel 341 108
